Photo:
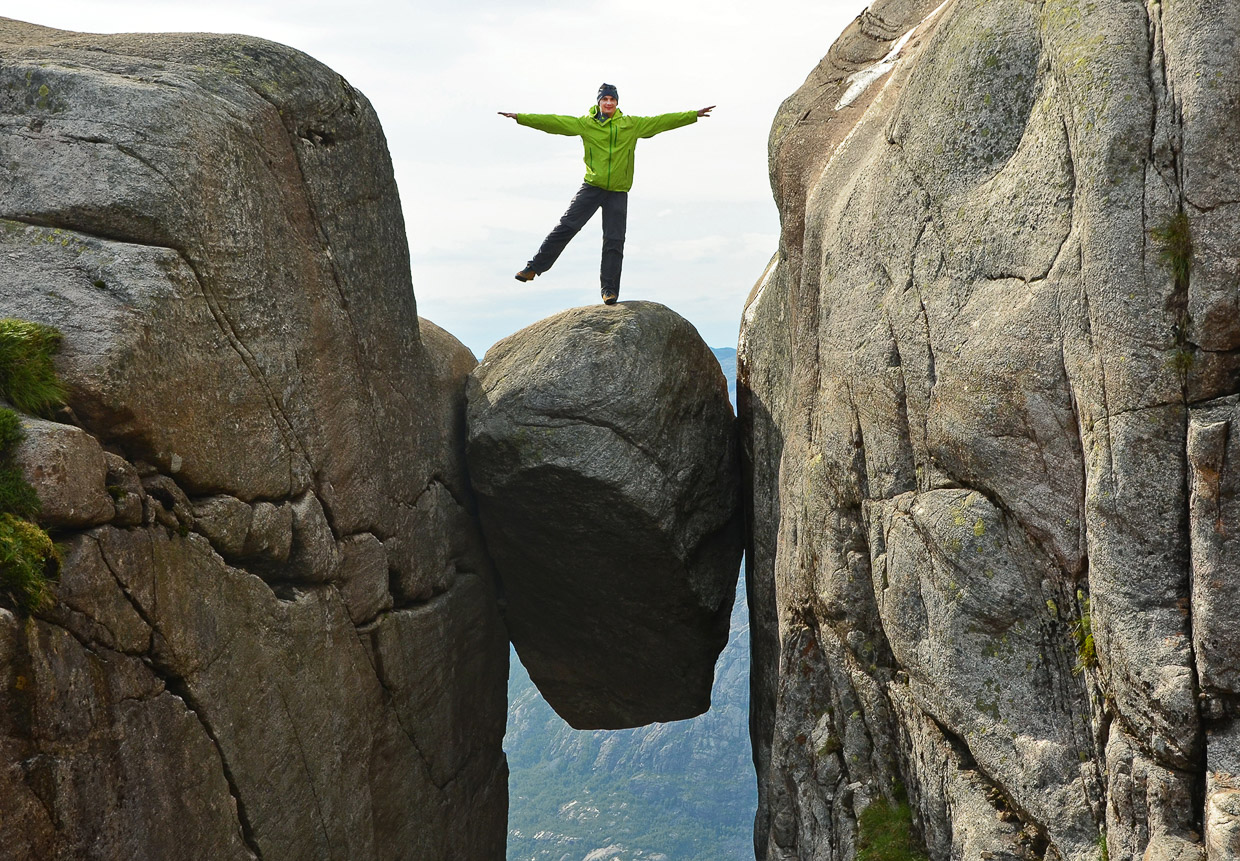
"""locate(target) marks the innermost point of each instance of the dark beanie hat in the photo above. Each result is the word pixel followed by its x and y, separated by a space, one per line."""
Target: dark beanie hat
pixel 607 90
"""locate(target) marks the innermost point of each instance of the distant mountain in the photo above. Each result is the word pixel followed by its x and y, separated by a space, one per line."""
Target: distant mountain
pixel 682 791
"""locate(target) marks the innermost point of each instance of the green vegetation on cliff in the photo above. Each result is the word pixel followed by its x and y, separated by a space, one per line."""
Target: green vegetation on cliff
pixel 28 561
pixel 1083 634
pixel 1174 239
pixel 28 558
pixel 27 379
pixel 16 495
pixel 885 833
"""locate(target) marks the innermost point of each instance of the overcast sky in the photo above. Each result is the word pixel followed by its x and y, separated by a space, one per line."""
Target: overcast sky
pixel 480 192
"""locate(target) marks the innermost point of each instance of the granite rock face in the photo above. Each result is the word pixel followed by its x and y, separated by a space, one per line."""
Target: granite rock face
pixel 602 450
pixel 276 632
pixel 986 388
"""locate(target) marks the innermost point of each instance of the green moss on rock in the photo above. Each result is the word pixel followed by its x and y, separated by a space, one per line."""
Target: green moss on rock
pixel 1083 634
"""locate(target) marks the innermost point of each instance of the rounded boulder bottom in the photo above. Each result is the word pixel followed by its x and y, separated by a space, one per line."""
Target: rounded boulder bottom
pixel 602 449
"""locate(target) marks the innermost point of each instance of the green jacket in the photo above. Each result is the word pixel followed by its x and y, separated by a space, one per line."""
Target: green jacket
pixel 609 144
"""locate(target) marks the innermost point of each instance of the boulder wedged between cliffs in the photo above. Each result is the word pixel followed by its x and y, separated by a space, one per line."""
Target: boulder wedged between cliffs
pixel 602 450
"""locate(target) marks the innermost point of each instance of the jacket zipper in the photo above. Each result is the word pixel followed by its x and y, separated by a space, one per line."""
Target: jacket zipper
pixel 611 149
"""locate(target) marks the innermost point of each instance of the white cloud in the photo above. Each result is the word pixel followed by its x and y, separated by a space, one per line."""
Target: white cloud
pixel 709 248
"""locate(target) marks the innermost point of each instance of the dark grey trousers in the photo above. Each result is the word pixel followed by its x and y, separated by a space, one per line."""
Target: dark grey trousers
pixel 588 200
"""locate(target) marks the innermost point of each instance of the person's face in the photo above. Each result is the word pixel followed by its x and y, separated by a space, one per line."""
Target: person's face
pixel 607 105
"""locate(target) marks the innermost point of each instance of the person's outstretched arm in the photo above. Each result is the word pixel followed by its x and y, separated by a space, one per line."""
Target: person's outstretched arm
pixel 550 123
pixel 648 127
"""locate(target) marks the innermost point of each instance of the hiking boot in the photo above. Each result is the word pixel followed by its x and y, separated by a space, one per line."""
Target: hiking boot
pixel 526 274
pixel 610 295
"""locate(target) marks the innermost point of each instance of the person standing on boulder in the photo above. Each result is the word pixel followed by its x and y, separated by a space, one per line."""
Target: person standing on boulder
pixel 610 140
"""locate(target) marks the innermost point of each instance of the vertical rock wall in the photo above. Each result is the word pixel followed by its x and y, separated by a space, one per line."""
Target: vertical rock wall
pixel 988 383
pixel 275 633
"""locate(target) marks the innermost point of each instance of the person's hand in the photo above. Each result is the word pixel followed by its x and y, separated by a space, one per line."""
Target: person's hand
pixel 705 112
pixel 512 116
